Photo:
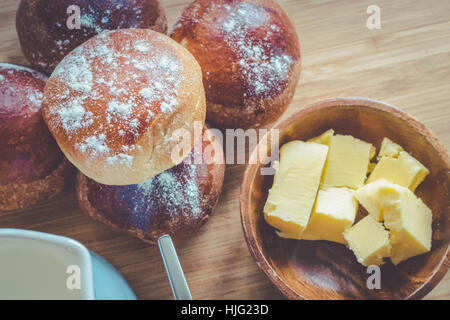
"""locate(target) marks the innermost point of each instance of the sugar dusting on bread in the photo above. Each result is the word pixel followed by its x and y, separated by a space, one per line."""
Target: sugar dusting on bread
pixel 176 201
pixel 254 35
pixel 177 191
pixel 117 69
pixel 53 33
pixel 31 95
pixel 264 65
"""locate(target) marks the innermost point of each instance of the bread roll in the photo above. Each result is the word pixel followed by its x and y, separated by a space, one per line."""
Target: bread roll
pixel 45 36
pixel 176 202
pixel 32 168
pixel 250 58
pixel 114 103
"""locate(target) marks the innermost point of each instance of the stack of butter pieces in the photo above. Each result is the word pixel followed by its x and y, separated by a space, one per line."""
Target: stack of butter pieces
pixel 319 183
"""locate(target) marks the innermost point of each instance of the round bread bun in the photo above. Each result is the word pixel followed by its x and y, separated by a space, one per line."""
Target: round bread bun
pixel 49 30
pixel 115 102
pixel 176 202
pixel 32 168
pixel 250 58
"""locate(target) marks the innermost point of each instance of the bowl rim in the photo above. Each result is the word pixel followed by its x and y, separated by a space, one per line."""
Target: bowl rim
pixel 253 165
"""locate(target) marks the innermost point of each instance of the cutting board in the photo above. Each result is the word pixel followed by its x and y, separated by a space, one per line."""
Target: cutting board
pixel 405 63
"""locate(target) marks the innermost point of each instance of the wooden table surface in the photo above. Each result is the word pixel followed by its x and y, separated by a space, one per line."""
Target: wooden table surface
pixel 405 63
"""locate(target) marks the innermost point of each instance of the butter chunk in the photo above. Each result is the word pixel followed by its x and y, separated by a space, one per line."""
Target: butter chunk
pixel 347 163
pixel 324 138
pixel 404 170
pixel 334 212
pixel 389 149
pixel 409 221
pixel 369 241
pixel 284 235
pixel 368 197
pixel 291 198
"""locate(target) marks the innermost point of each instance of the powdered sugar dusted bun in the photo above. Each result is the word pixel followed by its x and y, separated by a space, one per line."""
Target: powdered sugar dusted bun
pixel 250 58
pixel 114 103
pixel 177 201
pixel 48 29
pixel 32 168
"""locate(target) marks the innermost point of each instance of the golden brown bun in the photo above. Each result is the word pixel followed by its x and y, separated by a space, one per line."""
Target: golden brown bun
pixel 114 103
pixel 45 38
pixel 176 202
pixel 32 168
pixel 250 58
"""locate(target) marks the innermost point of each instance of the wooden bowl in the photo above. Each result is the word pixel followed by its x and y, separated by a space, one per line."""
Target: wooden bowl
pixel 326 270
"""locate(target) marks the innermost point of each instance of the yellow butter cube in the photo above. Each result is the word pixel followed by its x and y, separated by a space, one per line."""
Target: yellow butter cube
pixel 333 213
pixel 324 138
pixel 369 241
pixel 283 235
pixel 291 198
pixel 368 197
pixel 404 170
pixel 347 163
pixel 409 221
pixel 389 149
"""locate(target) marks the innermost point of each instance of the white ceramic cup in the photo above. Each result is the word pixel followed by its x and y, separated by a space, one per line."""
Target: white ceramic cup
pixel 36 265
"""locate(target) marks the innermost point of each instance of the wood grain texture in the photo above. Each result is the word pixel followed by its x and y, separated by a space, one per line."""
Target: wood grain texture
pixel 405 63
